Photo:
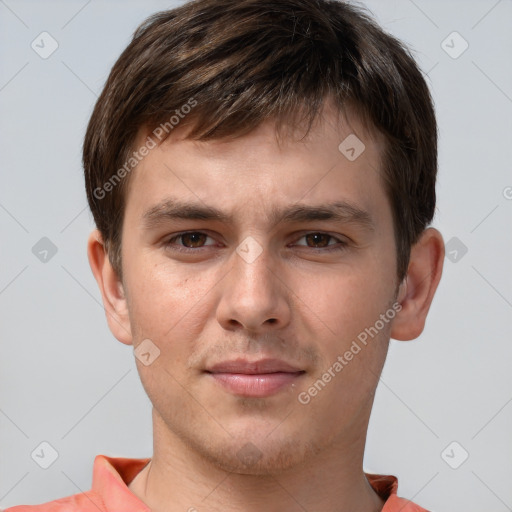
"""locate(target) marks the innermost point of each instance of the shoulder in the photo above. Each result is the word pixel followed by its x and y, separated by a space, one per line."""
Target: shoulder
pixel 84 502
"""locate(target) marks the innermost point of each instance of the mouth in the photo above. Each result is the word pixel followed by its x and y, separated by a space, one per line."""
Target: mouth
pixel 257 379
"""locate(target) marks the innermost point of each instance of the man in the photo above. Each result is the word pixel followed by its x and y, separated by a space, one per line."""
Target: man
pixel 262 177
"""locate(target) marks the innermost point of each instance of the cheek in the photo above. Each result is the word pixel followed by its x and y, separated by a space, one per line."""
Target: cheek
pixel 353 342
pixel 169 308
pixel 349 303
pixel 166 303
pixel 345 301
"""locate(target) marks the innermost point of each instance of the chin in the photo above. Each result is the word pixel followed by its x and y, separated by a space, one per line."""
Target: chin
pixel 256 441
pixel 258 455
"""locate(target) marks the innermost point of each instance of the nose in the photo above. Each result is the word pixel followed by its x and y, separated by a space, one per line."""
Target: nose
pixel 254 296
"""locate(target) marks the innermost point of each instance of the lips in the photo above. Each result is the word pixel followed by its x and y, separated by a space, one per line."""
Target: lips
pixel 256 379
pixel 253 367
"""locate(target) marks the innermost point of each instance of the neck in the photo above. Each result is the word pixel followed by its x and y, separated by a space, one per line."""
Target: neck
pixel 179 479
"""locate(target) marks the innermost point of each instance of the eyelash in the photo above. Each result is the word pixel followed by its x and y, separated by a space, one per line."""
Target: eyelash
pixel 168 244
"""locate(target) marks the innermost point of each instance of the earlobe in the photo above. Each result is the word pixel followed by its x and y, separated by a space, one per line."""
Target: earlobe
pixel 419 286
pixel 111 288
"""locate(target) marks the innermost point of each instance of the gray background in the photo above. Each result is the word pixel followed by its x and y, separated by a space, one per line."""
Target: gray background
pixel 66 380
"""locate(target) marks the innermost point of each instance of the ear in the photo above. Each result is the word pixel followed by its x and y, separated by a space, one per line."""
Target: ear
pixel 111 288
pixel 417 290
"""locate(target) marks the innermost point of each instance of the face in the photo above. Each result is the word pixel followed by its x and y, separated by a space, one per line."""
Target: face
pixel 264 273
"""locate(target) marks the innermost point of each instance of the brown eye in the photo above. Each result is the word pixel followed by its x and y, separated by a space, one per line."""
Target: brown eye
pixel 193 239
pixel 322 241
pixel 188 241
pixel 318 239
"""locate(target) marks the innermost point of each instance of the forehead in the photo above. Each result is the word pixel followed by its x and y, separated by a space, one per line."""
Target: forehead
pixel 337 159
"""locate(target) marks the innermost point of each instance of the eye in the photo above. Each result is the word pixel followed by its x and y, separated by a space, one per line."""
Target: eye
pixel 190 240
pixel 321 240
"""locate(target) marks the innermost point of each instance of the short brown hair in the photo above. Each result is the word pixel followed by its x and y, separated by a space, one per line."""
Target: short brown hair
pixel 245 61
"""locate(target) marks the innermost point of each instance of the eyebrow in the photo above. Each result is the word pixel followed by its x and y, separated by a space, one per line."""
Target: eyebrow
pixel 340 211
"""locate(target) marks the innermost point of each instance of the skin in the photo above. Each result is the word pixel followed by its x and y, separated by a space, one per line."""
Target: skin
pixel 296 301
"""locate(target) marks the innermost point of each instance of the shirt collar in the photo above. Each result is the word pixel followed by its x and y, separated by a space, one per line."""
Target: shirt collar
pixel 110 480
